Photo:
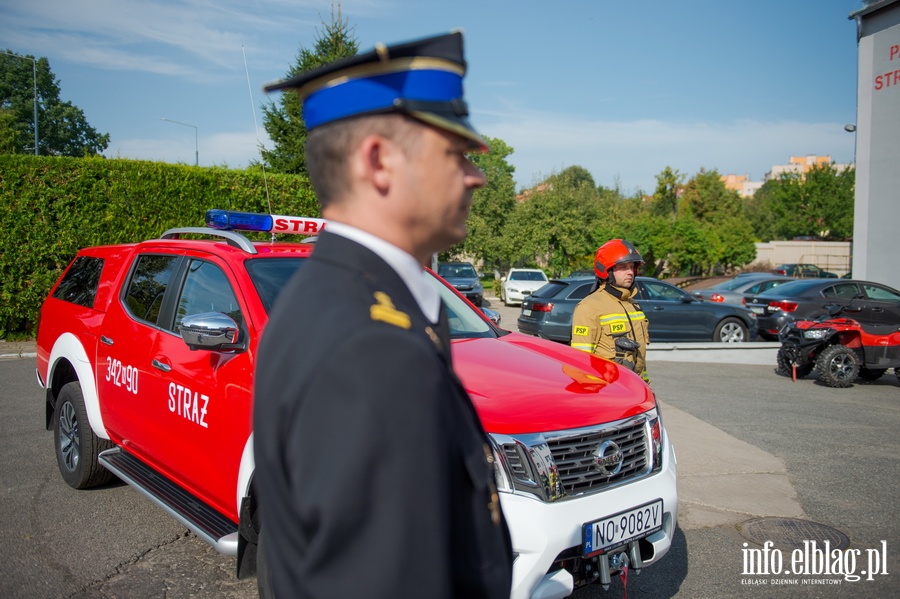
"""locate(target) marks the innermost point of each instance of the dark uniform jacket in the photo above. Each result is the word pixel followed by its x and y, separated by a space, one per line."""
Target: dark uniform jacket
pixel 605 314
pixel 374 474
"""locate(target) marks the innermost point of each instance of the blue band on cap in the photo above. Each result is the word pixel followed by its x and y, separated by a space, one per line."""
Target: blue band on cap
pixel 369 94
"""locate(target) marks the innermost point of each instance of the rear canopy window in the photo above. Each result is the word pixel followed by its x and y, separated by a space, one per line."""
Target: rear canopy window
pixel 148 285
pixel 79 285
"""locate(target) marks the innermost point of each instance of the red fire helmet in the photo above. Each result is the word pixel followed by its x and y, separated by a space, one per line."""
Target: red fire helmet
pixel 615 251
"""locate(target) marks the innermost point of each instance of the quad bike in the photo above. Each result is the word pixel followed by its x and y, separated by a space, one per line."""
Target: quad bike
pixel 839 349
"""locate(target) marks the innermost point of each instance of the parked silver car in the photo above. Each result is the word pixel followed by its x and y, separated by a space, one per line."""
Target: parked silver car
pixel 736 290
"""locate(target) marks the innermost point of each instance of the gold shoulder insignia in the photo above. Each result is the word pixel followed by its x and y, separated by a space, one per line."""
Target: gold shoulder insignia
pixel 385 311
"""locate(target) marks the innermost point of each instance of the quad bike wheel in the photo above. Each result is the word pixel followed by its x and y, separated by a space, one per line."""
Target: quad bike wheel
pixel 871 374
pixel 786 364
pixel 837 366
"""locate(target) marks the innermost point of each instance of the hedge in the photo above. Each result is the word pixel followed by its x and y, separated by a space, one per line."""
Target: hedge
pixel 50 207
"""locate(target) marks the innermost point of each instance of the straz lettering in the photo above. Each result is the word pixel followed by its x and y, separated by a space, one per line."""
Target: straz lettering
pixel 290 224
pixel 188 404
pixel 121 375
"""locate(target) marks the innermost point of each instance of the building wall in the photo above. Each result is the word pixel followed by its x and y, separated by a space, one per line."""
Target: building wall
pixel 833 256
pixel 876 217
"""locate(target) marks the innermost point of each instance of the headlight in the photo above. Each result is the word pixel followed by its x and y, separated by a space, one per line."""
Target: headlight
pixel 501 475
pixel 816 333
pixel 655 428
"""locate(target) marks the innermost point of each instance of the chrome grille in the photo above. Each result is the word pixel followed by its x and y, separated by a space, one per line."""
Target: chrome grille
pixel 558 465
pixel 575 457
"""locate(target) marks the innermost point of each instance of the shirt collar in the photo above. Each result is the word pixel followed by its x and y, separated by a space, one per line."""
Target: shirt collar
pixel 406 266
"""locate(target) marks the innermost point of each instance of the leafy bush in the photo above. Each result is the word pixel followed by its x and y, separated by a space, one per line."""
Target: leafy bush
pixel 50 207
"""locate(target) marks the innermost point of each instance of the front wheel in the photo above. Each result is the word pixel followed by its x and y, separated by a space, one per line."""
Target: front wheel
pixel 731 330
pixel 786 364
pixel 837 366
pixel 77 447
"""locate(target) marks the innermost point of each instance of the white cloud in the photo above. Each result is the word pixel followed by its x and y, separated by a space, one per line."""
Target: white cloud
pixel 633 153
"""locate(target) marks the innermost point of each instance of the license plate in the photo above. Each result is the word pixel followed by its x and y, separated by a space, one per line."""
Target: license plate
pixel 601 536
pixel 526 312
pixel 758 309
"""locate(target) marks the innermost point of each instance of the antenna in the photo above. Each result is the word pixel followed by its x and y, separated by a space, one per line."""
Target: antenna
pixel 256 129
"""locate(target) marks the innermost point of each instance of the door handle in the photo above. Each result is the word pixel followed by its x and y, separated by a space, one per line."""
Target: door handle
pixel 160 365
pixel 105 340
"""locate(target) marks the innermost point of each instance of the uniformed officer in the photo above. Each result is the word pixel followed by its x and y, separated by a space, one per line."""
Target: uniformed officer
pixel 374 474
pixel 608 322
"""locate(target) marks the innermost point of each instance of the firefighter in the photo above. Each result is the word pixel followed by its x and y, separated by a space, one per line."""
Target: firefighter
pixel 608 322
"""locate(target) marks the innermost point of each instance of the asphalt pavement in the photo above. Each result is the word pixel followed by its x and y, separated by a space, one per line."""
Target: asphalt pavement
pixel 752 446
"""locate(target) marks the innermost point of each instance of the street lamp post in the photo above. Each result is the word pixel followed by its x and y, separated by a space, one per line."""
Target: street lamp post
pixel 196 138
pixel 34 75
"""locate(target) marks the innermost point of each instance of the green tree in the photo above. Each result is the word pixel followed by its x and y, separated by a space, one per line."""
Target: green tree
pixel 284 122
pixel 665 198
pixel 8 136
pixel 491 207
pixel 555 225
pixel 63 129
pixel 817 204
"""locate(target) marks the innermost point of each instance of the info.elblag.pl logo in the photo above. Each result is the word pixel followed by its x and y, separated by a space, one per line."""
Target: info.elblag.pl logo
pixel 813 560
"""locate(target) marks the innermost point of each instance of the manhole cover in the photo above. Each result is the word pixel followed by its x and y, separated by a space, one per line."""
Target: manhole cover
pixel 788 534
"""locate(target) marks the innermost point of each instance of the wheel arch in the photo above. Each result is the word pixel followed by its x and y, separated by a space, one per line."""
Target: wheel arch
pixel 69 362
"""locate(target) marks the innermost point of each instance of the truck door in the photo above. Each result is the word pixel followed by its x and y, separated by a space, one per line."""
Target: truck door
pixel 202 413
pixel 126 334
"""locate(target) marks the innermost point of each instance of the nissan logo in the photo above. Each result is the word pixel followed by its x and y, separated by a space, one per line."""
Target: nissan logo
pixel 609 458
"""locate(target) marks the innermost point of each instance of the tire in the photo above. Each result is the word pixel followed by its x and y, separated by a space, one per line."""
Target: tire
pixel 871 374
pixel 76 445
pixel 263 586
pixel 786 367
pixel 837 366
pixel 731 330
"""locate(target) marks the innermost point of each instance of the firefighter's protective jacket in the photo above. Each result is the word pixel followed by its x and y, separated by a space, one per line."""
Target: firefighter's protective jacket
pixel 605 314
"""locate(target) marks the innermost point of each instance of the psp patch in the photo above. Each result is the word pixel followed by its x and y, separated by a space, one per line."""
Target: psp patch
pixel 581 331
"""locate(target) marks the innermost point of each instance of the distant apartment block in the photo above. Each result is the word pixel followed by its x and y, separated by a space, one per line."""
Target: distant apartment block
pixel 741 184
pixel 799 165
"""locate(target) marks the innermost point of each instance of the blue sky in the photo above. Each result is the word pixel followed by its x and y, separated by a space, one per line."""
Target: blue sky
pixel 623 89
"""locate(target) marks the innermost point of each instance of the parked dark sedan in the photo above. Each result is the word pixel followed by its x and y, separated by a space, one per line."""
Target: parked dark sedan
pixel 462 276
pixel 862 300
pixel 673 314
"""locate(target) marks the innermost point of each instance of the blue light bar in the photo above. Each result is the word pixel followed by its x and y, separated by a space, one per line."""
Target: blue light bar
pixel 227 220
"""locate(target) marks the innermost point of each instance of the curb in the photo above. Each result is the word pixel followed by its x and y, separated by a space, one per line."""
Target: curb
pixel 762 353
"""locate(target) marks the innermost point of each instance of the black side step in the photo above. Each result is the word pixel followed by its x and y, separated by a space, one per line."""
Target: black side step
pixel 201 519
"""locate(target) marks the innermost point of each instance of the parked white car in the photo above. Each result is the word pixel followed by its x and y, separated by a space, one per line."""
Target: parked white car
pixel 519 283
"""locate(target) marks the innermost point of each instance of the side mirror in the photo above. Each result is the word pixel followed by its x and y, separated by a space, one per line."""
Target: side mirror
pixel 213 331
pixel 492 315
